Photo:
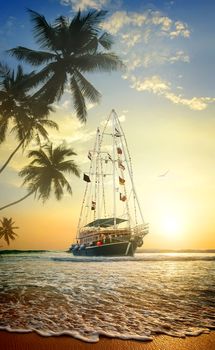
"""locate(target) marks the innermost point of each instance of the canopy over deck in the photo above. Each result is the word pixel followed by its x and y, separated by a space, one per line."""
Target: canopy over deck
pixel 107 222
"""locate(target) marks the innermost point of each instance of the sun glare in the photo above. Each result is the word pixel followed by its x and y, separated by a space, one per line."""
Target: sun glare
pixel 171 227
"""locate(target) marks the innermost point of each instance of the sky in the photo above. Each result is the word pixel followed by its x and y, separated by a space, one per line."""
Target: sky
pixel 166 100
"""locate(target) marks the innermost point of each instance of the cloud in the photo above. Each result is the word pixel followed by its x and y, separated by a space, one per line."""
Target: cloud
pixel 195 103
pixel 85 4
pixel 145 38
pixel 148 40
pixel 155 84
pixel 115 22
pixel 131 39
pixel 145 20
pixel 153 58
pixel 180 29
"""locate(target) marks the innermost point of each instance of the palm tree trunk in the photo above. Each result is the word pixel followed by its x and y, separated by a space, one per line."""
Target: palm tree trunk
pixel 12 154
pixel 19 200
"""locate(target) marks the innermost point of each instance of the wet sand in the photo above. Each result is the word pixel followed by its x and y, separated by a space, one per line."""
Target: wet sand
pixel 32 341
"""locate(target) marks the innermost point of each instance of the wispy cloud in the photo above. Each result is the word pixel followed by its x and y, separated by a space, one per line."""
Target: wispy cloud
pixel 159 86
pixel 153 84
pixel 162 25
pixel 148 42
pixel 144 39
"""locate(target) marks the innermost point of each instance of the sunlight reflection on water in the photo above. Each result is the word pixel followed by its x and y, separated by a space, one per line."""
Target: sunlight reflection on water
pixel 121 297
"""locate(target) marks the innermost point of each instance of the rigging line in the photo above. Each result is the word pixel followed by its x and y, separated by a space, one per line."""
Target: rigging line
pixel 84 198
pixel 103 188
pixel 106 124
pixel 114 168
pixel 130 169
pixel 96 193
pixel 119 170
pixel 129 196
pixel 88 211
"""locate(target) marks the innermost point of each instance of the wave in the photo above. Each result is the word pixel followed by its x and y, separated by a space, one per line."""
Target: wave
pixel 94 337
pixel 16 251
pixel 63 256
pixel 135 258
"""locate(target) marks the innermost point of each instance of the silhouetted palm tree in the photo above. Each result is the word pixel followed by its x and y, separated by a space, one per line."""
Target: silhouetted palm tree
pixel 46 172
pixel 7 230
pixel 73 47
pixel 29 116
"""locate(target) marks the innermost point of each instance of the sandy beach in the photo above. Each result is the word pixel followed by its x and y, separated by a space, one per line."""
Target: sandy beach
pixel 32 341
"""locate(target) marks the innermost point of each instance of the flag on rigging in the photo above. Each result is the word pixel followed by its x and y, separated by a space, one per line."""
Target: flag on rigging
pixel 120 165
pixel 122 197
pixel 121 181
pixel 89 155
pixel 117 134
pixel 119 151
pixel 109 157
pixel 93 205
pixel 86 178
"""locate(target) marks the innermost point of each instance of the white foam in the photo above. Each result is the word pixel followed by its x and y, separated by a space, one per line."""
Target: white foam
pixel 126 298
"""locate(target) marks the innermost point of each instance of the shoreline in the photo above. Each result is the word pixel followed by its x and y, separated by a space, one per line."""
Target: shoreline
pixel 34 341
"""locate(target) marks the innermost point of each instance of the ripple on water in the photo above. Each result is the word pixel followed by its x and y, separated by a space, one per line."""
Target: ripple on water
pixel 128 298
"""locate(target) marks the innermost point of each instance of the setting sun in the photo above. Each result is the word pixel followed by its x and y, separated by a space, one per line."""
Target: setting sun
pixel 171 226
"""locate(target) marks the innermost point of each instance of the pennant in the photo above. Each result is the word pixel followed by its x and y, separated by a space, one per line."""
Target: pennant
pixel 93 205
pixel 122 197
pixel 89 155
pixel 117 134
pixel 120 165
pixel 86 178
pixel 121 181
pixel 119 151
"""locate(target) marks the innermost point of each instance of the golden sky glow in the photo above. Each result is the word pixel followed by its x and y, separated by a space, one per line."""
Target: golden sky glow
pixel 167 107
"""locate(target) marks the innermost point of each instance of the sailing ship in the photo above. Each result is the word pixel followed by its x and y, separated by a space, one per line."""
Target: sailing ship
pixel 111 222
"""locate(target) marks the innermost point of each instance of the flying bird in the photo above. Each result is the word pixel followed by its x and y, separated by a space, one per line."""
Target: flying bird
pixel 164 174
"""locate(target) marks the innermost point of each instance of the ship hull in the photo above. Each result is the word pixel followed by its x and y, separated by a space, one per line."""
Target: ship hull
pixel 126 248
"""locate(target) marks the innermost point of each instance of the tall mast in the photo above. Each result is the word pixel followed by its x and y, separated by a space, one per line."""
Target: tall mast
pixel 128 161
pixel 98 174
pixel 114 179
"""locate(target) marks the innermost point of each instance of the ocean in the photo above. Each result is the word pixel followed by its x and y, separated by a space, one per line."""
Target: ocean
pixel 54 293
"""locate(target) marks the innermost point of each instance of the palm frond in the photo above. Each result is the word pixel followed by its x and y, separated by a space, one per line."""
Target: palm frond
pixel 53 89
pixel 87 88
pixel 7 230
pixel 69 166
pixel 46 171
pixel 44 32
pixel 60 152
pixel 106 41
pixel 66 184
pixel 35 58
pixel 106 62
pixel 58 190
pixel 4 122
pixel 4 70
pixel 40 157
pixel 78 99
pixel 91 19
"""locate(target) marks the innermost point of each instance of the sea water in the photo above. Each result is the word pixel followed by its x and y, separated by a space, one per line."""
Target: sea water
pixel 55 293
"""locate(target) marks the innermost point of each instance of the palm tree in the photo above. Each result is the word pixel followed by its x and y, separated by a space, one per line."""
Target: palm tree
pixel 46 172
pixel 28 114
pixel 70 48
pixel 7 230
